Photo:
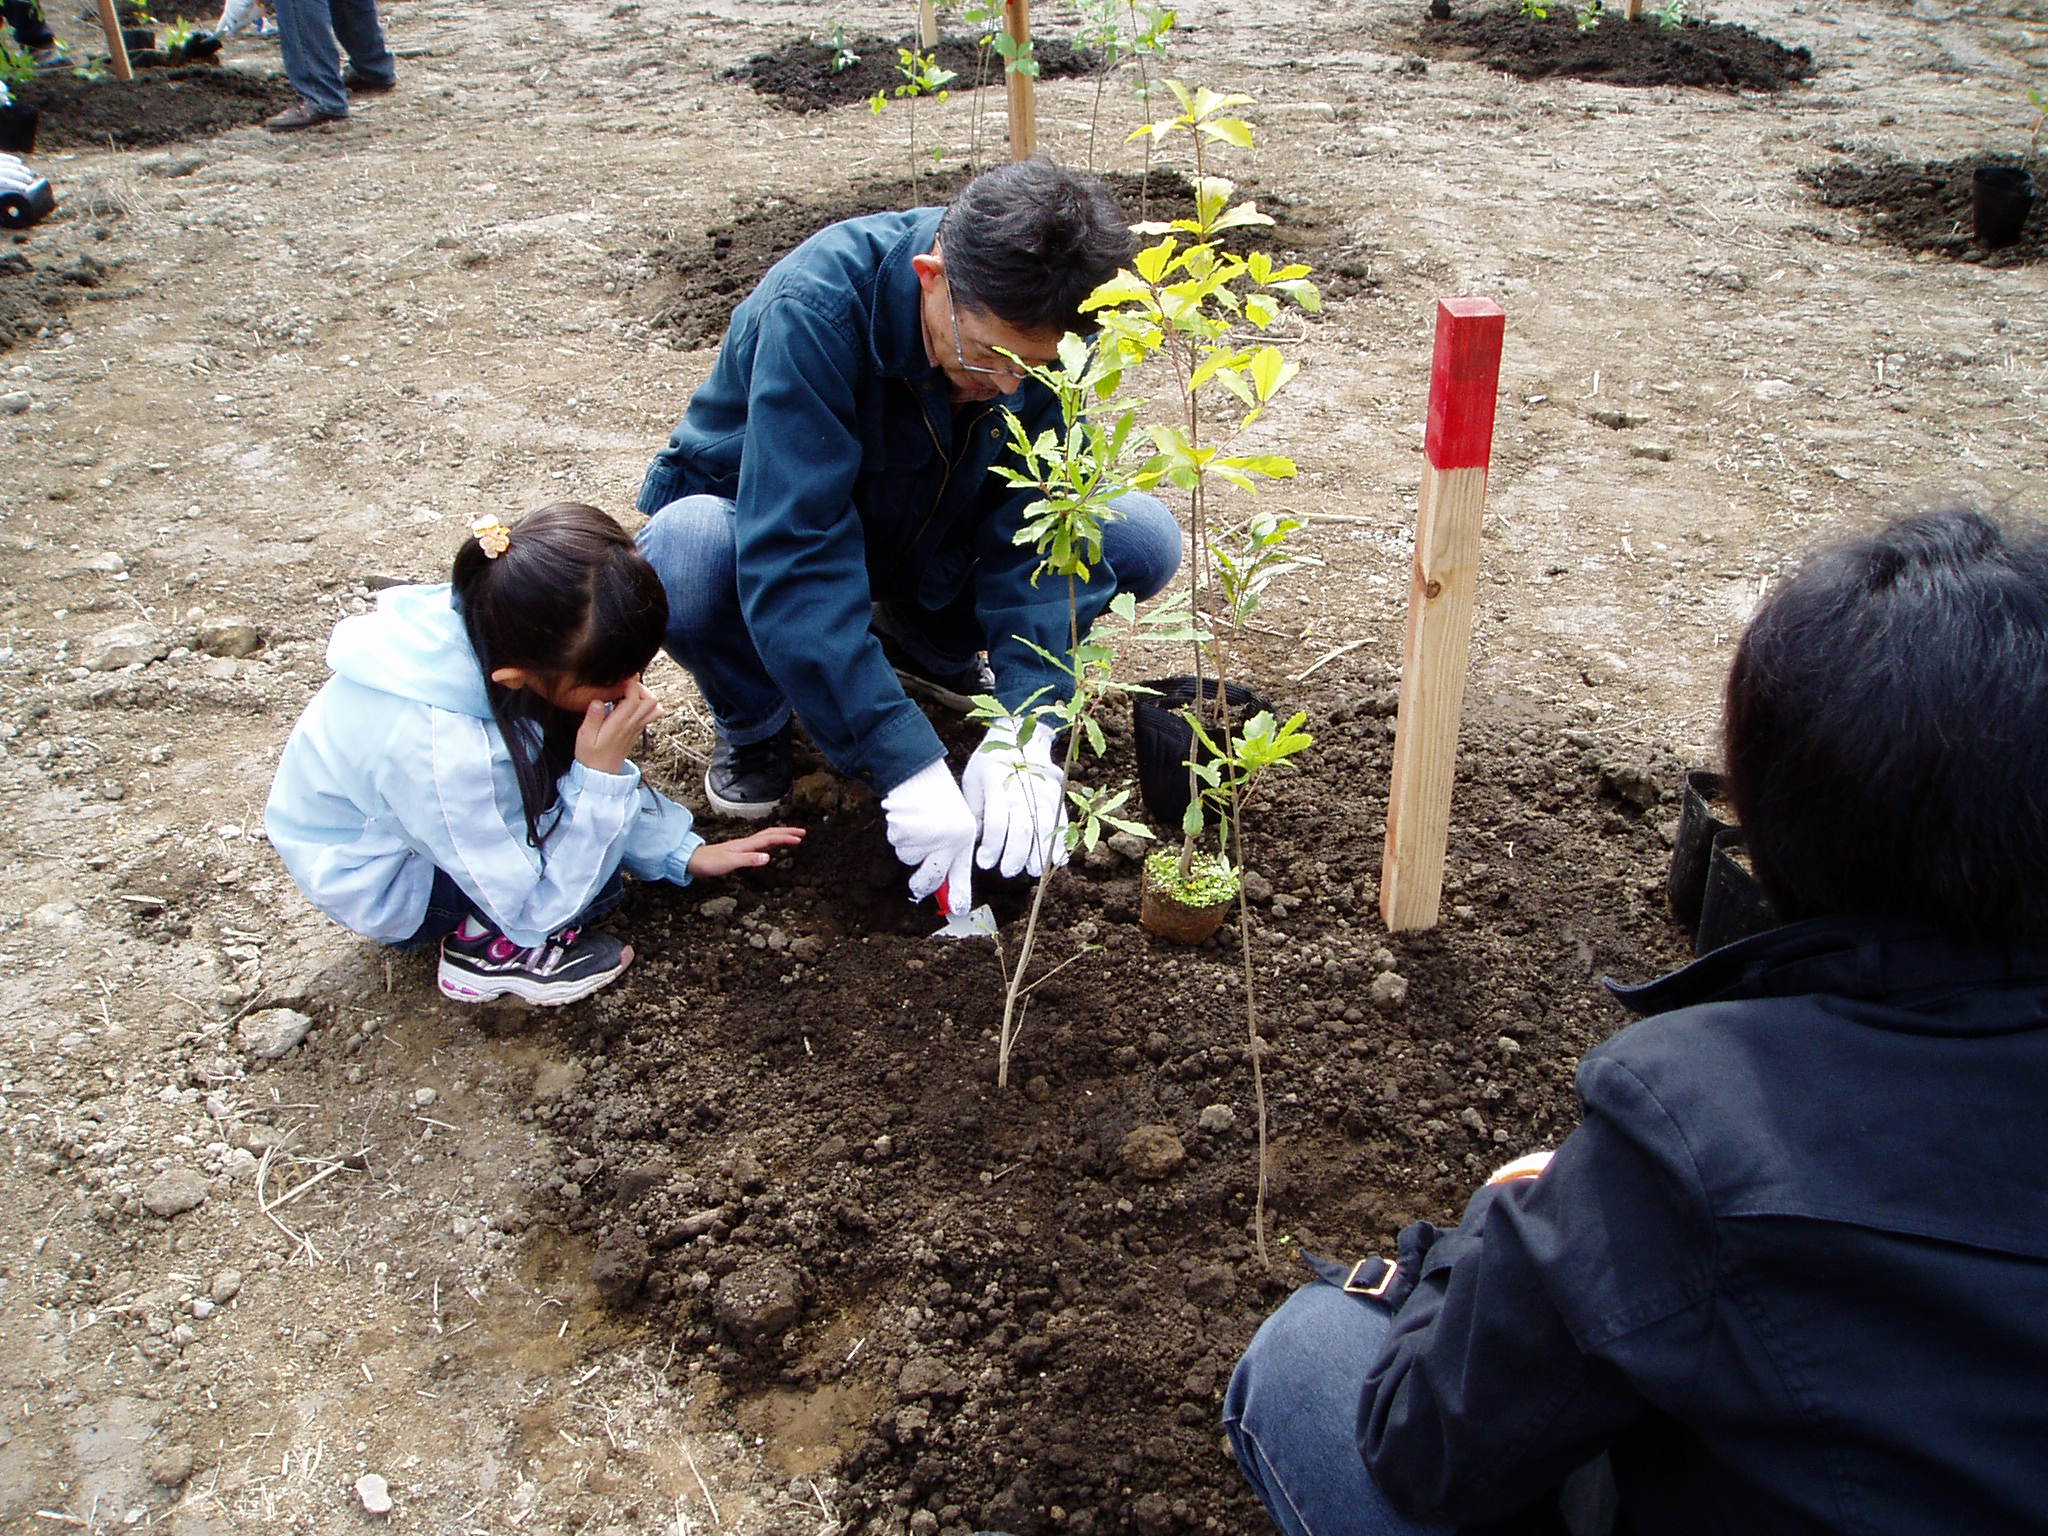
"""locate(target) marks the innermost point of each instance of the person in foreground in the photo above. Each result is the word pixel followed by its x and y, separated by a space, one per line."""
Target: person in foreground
pixel 462 778
pixel 826 524
pixel 1791 1272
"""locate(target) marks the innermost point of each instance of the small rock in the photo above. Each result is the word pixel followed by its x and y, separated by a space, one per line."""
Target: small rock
pixel 1152 1151
pixel 719 906
pixel 241 1163
pixel 227 1285
pixel 423 1098
pixel 172 1466
pixel 235 637
pixel 1660 451
pixel 123 646
pixel 759 1301
pixel 637 1180
pixel 1217 1117
pixel 1257 887
pixel 173 1192
pixel 1388 990
pixel 375 1494
pixel 14 402
pixel 106 562
pixel 273 1032
pixel 554 1079
pixel 620 1269
pixel 1128 845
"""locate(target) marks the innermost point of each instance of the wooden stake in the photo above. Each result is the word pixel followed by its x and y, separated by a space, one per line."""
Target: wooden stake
pixel 928 23
pixel 1023 104
pixel 1459 445
pixel 1635 10
pixel 117 49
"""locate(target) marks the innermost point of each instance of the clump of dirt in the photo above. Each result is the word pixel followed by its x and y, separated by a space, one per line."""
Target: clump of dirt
pixel 1714 55
pixel 1925 206
pixel 993 1305
pixel 35 293
pixel 165 106
pixel 800 77
pixel 696 284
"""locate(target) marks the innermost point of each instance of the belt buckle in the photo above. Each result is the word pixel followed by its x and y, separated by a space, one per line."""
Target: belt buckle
pixel 1355 1281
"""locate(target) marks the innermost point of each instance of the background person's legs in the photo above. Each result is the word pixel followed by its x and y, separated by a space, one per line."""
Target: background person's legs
pixel 306 40
pixel 361 36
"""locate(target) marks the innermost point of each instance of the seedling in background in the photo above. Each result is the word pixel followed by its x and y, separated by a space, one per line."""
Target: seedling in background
pixel 2038 96
pixel 1670 15
pixel 1536 10
pixel 843 57
pixel 17 65
pixel 922 76
pixel 1587 16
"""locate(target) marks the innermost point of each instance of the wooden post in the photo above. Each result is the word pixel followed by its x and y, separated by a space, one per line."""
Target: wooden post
pixel 928 23
pixel 117 50
pixel 1023 105
pixel 1635 10
pixel 1458 447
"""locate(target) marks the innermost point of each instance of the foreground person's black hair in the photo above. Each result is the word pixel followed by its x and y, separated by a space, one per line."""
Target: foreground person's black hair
pixel 1028 242
pixel 1886 729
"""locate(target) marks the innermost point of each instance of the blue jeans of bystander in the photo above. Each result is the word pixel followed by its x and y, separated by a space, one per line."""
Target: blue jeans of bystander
pixel 307 32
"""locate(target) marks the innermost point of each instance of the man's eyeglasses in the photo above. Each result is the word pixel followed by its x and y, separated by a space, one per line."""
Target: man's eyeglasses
pixel 1014 375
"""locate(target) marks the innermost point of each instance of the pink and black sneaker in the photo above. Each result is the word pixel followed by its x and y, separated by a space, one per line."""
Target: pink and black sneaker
pixel 479 966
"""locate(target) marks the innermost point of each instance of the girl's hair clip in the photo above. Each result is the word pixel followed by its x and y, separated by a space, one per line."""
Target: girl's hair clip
pixel 493 535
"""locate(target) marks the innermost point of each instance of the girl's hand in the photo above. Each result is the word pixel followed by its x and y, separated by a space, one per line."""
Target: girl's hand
pixel 749 852
pixel 610 730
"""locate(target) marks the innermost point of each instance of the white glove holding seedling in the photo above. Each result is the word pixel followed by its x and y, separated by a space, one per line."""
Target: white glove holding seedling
pixel 932 831
pixel 1017 793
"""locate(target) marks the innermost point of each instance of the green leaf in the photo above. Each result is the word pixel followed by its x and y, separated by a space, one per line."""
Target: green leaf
pixel 1231 130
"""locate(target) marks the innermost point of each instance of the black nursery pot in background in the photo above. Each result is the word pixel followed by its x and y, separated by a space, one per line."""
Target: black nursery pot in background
pixel 1165 740
pixel 2001 196
pixel 18 128
pixel 139 39
pixel 1694 848
pixel 1733 905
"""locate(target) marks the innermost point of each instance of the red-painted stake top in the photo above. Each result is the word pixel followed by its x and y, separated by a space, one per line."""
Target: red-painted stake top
pixel 1463 381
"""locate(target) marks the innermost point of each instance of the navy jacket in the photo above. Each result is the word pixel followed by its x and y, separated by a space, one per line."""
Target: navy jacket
pixel 854 479
pixel 1792 1270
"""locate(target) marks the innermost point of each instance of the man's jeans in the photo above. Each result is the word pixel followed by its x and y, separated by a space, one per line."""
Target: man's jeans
pixel 306 33
pixel 1292 1416
pixel 690 542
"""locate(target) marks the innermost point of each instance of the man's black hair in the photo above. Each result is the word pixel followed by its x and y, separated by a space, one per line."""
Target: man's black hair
pixel 1028 242
pixel 1886 729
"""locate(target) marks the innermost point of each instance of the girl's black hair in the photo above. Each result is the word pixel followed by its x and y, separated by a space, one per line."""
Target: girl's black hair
pixel 571 598
pixel 1886 730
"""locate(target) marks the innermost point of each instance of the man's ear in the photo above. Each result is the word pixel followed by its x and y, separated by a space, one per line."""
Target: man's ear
pixel 513 677
pixel 930 267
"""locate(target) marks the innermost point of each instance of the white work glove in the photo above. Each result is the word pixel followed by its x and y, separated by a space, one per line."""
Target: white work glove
pixel 932 831
pixel 1017 794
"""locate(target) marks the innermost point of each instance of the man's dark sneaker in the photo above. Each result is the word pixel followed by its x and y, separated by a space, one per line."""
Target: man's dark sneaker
pixel 367 85
pixel 302 114
pixel 952 688
pixel 749 782
pixel 570 965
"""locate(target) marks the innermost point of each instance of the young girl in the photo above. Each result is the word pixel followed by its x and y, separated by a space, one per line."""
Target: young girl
pixel 463 777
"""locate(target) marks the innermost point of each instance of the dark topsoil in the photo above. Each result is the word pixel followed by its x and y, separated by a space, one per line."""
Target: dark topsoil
pixel 1926 206
pixel 795 1160
pixel 1715 55
pixel 159 106
pixel 799 75
pixel 36 288
pixel 697 283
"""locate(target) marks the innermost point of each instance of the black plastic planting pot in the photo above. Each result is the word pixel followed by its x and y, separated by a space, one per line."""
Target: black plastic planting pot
pixel 1166 741
pixel 1690 854
pixel 2001 196
pixel 33 203
pixel 18 128
pixel 139 39
pixel 1733 905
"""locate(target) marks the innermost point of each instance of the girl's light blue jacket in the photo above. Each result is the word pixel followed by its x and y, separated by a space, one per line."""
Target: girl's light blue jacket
pixel 397 768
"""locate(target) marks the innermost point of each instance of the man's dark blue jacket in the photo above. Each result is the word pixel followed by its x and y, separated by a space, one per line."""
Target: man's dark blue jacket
pixel 1792 1269
pixel 854 479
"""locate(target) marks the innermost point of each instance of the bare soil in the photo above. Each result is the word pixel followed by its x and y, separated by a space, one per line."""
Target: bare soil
pixel 751 1243
pixel 1715 55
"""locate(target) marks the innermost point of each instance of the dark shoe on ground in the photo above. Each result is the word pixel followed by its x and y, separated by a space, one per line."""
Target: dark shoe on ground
pixel 302 114
pixel 749 782
pixel 51 59
pixel 365 85
pixel 951 688
pixel 568 966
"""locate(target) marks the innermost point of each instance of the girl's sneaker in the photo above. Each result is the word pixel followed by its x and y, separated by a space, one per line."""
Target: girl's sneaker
pixel 568 966
pixel 264 28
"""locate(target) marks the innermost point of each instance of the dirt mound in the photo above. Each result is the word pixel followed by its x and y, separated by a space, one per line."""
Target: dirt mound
pixel 1715 55
pixel 799 76
pixel 697 283
pixel 159 106
pixel 1925 206
pixel 992 1305
pixel 36 292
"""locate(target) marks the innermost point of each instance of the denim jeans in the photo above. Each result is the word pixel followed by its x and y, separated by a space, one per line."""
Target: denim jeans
pixel 448 904
pixel 306 34
pixel 1292 1416
pixel 690 542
